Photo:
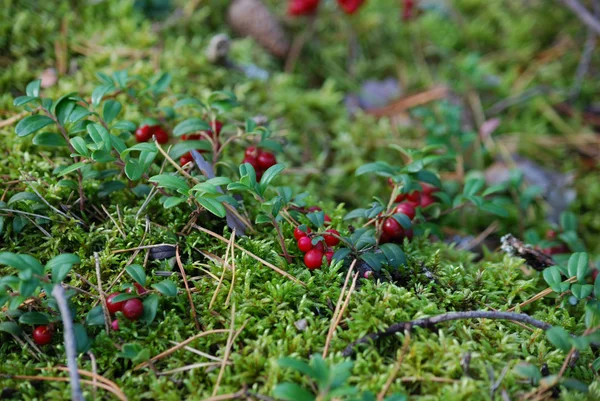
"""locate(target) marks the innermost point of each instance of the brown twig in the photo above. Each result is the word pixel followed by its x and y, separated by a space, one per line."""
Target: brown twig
pixel 187 289
pixel 446 317
pixel 394 372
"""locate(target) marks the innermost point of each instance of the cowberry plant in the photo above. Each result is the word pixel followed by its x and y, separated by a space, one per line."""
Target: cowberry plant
pixel 328 383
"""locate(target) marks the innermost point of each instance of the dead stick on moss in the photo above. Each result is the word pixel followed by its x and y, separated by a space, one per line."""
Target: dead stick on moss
pixel 101 294
pixel 180 345
pixel 62 379
pixel 337 311
pixel 187 289
pixel 95 376
pixel 264 262
pixel 394 372
pixel 69 337
pixel 227 351
pixel 540 295
pixel 429 322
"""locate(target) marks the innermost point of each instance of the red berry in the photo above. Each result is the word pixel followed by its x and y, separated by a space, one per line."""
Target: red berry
pixel 330 240
pixel 407 209
pixel 426 200
pixel 266 160
pixel 385 238
pixel 252 161
pixel 414 198
pixel 594 274
pixel 302 7
pixel 160 134
pixel 259 175
pixel 350 6
pixel 390 182
pixel 320 246
pixel 133 309
pixel 298 233
pixel 218 126
pixel 192 137
pixel 138 288
pixel 142 134
pixel 186 158
pixel 551 235
pixel 428 188
pixel 114 307
pixel 42 335
pixel 407 9
pixel 329 257
pixel 392 228
pixel 314 209
pixel 327 219
pixel 305 244
pixel 251 151
pixel 115 325
pixel 313 259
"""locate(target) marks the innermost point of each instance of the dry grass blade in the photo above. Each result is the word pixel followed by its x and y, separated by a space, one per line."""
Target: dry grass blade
pixel 200 353
pixel 188 367
pixel 187 289
pixel 177 347
pixel 101 294
pixel 539 295
pixel 232 272
pixel 394 372
pixel 264 262
pixel 114 222
pixel 95 376
pixel 338 306
pixel 223 397
pixel 227 351
pixel 101 385
pixel 230 244
pixel 409 102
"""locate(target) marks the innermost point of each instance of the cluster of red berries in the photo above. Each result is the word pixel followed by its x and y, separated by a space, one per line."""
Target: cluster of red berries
pixel 145 133
pixel 187 158
pixel 313 254
pixel 259 159
pixel 306 7
pixel 392 230
pixel 132 308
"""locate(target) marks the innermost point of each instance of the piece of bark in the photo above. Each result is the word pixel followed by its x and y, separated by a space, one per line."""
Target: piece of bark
pixel 534 258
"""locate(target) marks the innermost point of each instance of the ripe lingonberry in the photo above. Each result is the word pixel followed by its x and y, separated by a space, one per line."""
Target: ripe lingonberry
pixel 302 7
pixel 414 198
pixel 313 259
pixel 138 288
pixel 385 238
pixel 160 134
pixel 392 228
pixel 330 240
pixel 551 235
pixel 327 219
pixel 113 307
pixel 320 246
pixel 407 9
pixel 314 209
pixel 266 160
pixel 305 244
pixel 329 257
pixel 426 200
pixel 133 309
pixel 428 188
pixel 186 158
pixel 251 151
pixel 115 325
pixel 350 6
pixel 142 134
pixel 42 335
pixel 298 233
pixel 217 128
pixel 407 209
pixel 252 161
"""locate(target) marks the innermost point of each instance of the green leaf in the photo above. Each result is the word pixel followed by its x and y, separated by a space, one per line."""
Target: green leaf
pixel 61 265
pixel 166 287
pixel 190 125
pixel 34 318
pixel 107 188
pixel 212 205
pixel 137 273
pixel 298 365
pixel 374 260
pixel 71 168
pixel 559 338
pixel 270 174
pixel 78 113
pixel 124 297
pixel 162 83
pixel 23 196
pixel 473 185
pixel 82 341
pixel 292 392
pixel 99 92
pixel 187 102
pixel 80 146
pixel 568 221
pixel 582 291
pixel 63 108
pixel 100 136
pixel 173 201
pixel 121 78
pixel 49 139
pixel 578 265
pixel 317 218
pixel 10 327
pixel 429 177
pixel 380 168
pixel 125 126
pixel 33 88
pixel 494 209
pixel 596 365
pixel 22 100
pixel 528 370
pixel 403 219
pixel 552 275
pixel 150 308
pixel 110 110
pixel 394 255
pixel 171 182
pixel 31 124
pixel 181 148
pixel 95 317
pixel 356 213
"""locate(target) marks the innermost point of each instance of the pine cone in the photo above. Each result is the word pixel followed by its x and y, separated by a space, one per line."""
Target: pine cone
pixel 252 18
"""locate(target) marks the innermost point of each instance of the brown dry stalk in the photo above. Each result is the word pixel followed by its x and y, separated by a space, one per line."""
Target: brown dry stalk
pixel 115 223
pixel 338 306
pixel 227 351
pixel 66 379
pixel 225 263
pixel 539 295
pixel 188 367
pixel 179 346
pixel 95 376
pixel 233 270
pixel 394 372
pixel 187 289
pixel 409 102
pixel 247 252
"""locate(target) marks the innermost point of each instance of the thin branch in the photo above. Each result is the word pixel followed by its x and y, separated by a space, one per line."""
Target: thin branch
pixel 430 322
pixel 70 346
pixel 583 14
pixel 101 294
pixel 187 289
